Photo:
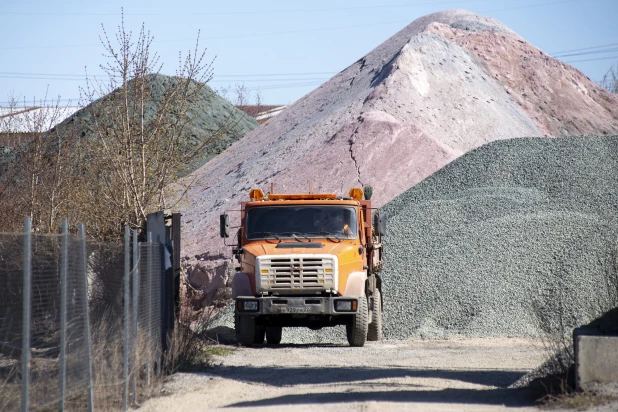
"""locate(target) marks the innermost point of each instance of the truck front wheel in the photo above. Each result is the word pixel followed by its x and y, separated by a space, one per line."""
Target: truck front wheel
pixel 375 327
pixel 273 335
pixel 357 328
pixel 248 332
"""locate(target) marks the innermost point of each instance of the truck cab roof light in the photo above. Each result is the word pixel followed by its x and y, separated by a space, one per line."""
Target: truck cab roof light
pixel 256 194
pixel 356 193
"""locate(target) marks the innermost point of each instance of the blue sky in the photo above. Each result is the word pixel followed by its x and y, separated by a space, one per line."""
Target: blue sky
pixel 283 48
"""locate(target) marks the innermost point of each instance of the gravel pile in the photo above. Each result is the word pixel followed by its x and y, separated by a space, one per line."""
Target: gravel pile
pixel 510 237
pixel 209 112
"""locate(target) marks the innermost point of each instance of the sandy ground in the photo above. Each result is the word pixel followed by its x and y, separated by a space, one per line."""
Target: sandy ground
pixel 445 375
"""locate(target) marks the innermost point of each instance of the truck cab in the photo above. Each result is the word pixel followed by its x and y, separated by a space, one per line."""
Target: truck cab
pixel 307 260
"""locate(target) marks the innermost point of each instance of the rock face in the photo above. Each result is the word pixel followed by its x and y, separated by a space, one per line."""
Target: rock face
pixel 447 83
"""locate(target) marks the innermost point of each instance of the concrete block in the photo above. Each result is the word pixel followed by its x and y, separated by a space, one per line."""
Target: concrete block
pixel 596 360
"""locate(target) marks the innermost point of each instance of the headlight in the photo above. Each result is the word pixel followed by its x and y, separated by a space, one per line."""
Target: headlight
pixel 249 305
pixel 345 305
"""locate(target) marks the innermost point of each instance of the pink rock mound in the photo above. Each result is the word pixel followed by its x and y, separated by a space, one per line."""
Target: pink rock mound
pixel 445 84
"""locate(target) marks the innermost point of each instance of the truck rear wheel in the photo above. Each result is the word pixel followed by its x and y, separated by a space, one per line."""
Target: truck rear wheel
pixel 357 329
pixel 273 335
pixel 248 332
pixel 374 332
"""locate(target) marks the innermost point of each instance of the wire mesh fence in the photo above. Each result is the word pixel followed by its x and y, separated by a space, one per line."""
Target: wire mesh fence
pixel 81 322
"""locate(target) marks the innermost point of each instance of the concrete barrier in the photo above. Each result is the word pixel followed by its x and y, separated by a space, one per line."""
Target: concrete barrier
pixel 596 359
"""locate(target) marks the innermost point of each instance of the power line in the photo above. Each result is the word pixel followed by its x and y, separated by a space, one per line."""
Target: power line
pixel 285 86
pixel 252 12
pixel 584 48
pixel 530 6
pixel 214 80
pixel 587 53
pixel 234 36
pixel 217 75
pixel 290 31
pixel 591 60
pixel 270 87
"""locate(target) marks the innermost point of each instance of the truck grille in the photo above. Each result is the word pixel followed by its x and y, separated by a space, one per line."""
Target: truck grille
pixel 297 272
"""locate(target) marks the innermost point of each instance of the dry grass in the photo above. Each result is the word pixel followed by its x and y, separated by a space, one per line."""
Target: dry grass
pixel 558 381
pixel 580 401
pixel 187 350
pixel 10 389
pixel 188 344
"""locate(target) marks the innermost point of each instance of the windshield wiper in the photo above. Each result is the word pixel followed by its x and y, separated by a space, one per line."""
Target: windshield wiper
pixel 267 234
pixel 297 235
pixel 328 236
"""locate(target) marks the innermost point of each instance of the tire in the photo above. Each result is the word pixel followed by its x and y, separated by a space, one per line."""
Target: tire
pixel 258 337
pixel 248 332
pixel 273 335
pixel 374 331
pixel 357 329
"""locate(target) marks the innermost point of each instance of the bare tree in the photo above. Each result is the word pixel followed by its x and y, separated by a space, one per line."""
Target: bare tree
pixel 242 95
pixel 137 121
pixel 259 100
pixel 610 79
pixel 35 180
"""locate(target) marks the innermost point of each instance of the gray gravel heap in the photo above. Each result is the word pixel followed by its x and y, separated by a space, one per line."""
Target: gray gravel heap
pixel 510 237
pixel 208 113
pixel 506 240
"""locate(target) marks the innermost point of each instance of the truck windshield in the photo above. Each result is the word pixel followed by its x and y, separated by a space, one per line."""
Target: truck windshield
pixel 302 222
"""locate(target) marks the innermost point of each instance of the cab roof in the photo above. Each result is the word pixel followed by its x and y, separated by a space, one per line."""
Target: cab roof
pixel 319 201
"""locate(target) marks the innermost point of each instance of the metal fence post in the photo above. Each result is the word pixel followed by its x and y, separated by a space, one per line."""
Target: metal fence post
pixel 126 303
pixel 134 317
pixel 25 350
pixel 64 269
pixel 149 306
pixel 84 270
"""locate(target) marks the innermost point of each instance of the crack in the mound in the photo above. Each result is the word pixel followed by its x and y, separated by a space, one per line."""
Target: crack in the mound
pixel 352 140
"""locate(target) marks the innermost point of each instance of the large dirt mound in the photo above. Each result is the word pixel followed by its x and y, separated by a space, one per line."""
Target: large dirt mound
pixel 424 97
pixel 514 235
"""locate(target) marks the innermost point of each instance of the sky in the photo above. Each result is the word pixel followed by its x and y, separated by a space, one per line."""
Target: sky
pixel 278 49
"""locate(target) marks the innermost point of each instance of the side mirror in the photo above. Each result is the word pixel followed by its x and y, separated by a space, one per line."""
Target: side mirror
pixel 224 225
pixel 379 224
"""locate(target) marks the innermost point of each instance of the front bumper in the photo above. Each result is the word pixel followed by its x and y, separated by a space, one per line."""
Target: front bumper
pixel 305 305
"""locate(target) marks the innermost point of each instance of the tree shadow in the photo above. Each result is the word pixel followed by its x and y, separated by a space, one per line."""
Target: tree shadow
pixel 506 397
pixel 366 381
pixel 290 376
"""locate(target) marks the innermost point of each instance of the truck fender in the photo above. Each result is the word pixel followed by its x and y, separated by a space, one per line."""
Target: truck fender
pixel 355 285
pixel 241 286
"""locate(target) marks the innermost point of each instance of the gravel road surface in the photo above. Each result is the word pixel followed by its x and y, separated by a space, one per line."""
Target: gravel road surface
pixel 429 375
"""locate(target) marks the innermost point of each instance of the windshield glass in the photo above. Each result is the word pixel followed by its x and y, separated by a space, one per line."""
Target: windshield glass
pixel 302 222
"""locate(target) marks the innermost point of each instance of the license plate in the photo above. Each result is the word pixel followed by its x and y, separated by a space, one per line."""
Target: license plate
pixel 292 309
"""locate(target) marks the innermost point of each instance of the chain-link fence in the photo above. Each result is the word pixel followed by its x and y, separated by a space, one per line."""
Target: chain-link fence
pixel 81 322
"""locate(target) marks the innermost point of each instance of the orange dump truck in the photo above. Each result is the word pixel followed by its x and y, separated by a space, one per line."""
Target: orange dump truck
pixel 307 260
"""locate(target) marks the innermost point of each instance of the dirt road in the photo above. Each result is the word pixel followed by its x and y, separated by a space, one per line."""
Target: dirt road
pixel 446 375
